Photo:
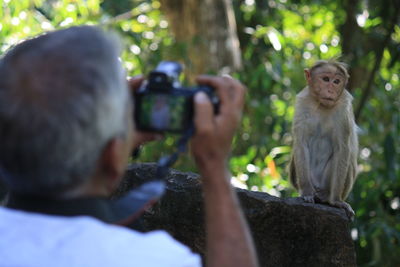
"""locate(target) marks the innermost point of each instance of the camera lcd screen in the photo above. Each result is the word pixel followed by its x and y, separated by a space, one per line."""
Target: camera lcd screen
pixel 162 112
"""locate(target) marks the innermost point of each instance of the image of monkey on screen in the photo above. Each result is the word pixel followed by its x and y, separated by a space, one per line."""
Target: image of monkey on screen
pixel 323 166
pixel 162 111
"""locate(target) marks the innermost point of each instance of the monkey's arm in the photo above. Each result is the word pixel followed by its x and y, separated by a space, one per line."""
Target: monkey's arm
pixel 300 162
pixel 353 154
pixel 339 169
pixel 345 159
pixel 344 162
pixel 303 129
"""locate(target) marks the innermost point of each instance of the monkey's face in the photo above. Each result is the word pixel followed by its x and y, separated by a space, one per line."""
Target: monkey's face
pixel 326 85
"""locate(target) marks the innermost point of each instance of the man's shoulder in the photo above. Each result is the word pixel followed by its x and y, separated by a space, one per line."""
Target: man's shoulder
pixel 86 241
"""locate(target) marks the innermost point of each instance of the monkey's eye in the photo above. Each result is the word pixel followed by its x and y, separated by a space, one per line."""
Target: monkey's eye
pixel 325 79
pixel 337 81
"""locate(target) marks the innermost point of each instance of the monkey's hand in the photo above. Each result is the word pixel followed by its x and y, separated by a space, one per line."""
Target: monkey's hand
pixel 347 208
pixel 308 198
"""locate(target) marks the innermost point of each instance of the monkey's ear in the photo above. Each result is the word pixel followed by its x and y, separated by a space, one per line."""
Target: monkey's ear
pixel 307 75
pixel 347 81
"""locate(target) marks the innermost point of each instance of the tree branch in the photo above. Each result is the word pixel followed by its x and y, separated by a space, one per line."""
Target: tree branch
pixel 379 55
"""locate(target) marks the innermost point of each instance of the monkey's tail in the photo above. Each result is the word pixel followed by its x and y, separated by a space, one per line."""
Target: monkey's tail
pixel 292 173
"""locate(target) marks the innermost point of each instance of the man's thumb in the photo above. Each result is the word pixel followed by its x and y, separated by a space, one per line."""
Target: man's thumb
pixel 203 113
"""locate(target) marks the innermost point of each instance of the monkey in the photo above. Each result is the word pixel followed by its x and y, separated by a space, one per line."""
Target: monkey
pixel 323 165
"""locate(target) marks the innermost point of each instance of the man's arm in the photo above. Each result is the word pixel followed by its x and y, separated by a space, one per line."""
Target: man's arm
pixel 229 242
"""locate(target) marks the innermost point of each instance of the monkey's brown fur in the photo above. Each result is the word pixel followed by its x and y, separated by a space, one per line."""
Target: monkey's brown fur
pixel 323 166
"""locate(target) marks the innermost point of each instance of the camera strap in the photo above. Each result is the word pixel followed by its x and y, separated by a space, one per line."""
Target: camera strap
pixel 165 162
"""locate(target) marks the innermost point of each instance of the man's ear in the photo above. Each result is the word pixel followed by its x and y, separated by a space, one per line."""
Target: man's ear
pixel 307 75
pixel 112 163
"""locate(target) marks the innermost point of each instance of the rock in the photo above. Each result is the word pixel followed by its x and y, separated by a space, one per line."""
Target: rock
pixel 287 232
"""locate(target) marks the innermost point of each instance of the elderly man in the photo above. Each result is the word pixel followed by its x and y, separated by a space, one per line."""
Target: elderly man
pixel 66 133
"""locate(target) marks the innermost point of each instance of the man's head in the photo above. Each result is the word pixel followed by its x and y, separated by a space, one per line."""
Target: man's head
pixel 326 81
pixel 63 98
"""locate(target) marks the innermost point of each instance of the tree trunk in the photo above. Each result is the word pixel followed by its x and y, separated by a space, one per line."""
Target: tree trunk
pixel 208 29
pixel 351 35
pixel 378 59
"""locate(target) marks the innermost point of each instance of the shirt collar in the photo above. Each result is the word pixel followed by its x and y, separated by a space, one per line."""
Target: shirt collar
pixel 96 207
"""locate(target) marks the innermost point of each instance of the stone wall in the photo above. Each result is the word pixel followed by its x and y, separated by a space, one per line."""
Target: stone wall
pixel 287 232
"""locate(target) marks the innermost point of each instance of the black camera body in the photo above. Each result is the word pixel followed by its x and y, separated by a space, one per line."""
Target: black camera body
pixel 163 105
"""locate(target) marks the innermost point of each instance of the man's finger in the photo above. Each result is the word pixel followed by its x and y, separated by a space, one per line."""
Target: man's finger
pixel 236 91
pixel 221 88
pixel 135 82
pixel 204 113
pixel 230 91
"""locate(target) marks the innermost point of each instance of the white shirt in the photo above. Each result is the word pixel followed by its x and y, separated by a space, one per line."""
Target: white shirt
pixel 32 239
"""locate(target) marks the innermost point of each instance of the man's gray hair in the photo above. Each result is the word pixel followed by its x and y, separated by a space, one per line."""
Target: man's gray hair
pixel 63 96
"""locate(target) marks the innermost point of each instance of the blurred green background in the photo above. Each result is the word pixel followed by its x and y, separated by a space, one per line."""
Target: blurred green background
pixel 278 39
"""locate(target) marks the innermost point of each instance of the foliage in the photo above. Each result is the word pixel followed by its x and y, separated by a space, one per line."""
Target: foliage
pixel 278 40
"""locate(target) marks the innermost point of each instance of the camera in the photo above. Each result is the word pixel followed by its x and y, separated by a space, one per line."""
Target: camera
pixel 163 105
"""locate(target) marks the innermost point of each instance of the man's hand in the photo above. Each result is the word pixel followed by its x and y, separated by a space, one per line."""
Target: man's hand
pixel 213 137
pixel 229 242
pixel 139 138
